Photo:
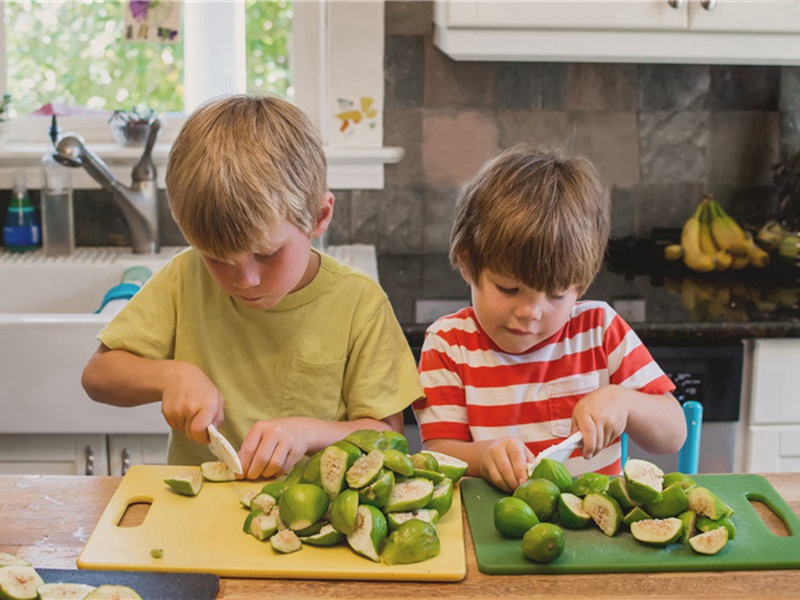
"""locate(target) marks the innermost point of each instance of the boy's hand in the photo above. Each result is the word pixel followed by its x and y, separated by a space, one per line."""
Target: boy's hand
pixel 601 417
pixel 504 463
pixel 190 401
pixel 274 446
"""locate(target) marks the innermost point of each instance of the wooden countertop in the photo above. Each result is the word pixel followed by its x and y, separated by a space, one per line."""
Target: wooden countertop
pixel 48 519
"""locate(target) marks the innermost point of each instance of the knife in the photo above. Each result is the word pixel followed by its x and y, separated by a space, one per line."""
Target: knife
pixel 222 449
pixel 559 452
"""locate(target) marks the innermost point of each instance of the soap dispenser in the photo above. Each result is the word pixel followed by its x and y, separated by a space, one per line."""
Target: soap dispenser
pixel 21 232
pixel 57 212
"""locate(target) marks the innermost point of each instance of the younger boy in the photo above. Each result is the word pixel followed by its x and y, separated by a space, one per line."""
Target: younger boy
pixel 527 364
pixel 252 329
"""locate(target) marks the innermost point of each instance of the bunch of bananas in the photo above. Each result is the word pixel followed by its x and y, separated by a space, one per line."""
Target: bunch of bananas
pixel 712 240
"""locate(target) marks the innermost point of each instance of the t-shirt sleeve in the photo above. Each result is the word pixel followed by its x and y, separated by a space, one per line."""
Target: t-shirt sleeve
pixel 146 326
pixel 442 413
pixel 380 377
pixel 630 363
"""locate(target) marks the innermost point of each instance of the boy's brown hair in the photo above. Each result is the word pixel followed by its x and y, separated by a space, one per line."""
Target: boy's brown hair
pixel 538 216
pixel 239 166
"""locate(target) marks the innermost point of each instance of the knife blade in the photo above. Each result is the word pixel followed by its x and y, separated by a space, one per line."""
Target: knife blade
pixel 559 452
pixel 222 449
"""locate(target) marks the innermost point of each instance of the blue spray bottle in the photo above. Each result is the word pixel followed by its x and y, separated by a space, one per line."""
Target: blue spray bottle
pixel 21 232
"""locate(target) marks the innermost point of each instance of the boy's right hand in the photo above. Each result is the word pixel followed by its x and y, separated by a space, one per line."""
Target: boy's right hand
pixel 190 401
pixel 504 463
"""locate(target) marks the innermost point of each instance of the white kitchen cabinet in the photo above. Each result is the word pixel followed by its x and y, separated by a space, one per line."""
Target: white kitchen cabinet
pixel 771 415
pixel 124 451
pixel 670 31
pixel 53 454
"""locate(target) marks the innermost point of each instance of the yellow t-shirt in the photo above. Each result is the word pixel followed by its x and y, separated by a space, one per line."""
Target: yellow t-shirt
pixel 332 350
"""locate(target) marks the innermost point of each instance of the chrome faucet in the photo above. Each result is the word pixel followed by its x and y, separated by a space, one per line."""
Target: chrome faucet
pixel 139 203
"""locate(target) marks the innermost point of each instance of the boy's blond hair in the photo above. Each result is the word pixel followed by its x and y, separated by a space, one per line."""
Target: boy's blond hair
pixel 540 217
pixel 239 166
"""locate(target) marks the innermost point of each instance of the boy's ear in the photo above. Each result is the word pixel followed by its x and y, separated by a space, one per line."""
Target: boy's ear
pixel 325 215
pixel 464 270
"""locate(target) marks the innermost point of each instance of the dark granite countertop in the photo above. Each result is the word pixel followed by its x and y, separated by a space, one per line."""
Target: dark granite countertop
pixel 665 303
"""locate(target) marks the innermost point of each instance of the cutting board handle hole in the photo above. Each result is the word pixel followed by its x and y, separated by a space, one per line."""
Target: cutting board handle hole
pixel 134 513
pixel 771 519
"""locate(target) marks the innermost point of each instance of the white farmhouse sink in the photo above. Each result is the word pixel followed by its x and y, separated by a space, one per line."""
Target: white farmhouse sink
pixel 48 332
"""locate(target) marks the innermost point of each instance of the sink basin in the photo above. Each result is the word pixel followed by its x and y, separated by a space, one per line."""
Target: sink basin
pixel 48 332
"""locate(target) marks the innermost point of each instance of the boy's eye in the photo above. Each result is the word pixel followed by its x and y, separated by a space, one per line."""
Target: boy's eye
pixel 508 291
pixel 559 296
pixel 263 256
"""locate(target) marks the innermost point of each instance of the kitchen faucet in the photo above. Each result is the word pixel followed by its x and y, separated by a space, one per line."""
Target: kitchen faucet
pixel 138 202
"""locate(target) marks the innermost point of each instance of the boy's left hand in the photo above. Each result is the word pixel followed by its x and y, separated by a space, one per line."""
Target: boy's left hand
pixel 601 417
pixel 273 446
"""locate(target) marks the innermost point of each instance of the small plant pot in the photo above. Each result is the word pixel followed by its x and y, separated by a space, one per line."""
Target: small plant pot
pixel 131 134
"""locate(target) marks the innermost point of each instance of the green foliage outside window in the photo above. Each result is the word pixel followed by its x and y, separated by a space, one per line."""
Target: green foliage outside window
pixel 75 53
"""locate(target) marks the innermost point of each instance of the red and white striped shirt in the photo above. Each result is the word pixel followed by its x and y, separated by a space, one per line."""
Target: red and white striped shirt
pixel 475 392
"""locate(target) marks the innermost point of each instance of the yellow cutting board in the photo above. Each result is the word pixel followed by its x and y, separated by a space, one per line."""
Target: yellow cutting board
pixel 204 534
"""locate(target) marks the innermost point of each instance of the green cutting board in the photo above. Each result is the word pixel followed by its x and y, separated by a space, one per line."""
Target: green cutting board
pixel 590 551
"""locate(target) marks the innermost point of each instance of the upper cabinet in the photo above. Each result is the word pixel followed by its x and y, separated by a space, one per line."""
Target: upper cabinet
pixel 670 31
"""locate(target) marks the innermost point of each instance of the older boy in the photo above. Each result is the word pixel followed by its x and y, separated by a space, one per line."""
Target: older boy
pixel 252 329
pixel 527 364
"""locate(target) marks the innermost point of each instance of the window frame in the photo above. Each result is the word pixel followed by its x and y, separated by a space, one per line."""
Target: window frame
pixel 327 35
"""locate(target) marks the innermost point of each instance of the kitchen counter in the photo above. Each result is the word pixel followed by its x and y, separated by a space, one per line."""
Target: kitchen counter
pixel 47 520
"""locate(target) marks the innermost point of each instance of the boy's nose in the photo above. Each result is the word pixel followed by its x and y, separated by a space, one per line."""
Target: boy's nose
pixel 529 311
pixel 245 276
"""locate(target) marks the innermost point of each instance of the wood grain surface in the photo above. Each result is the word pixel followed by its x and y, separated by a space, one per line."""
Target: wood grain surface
pixel 47 520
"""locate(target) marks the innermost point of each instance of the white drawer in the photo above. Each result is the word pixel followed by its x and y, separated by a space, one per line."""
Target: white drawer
pixel 776 381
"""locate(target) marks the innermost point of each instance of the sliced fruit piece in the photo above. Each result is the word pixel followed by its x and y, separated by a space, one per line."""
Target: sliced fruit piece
pixel 327 536
pixel 113 592
pixel 605 512
pixel 589 483
pixel 343 511
pixel 302 505
pixel 19 582
pixel 216 471
pixel 64 591
pixel 618 490
pixel 709 542
pixel 541 495
pixel 398 462
pixel 365 470
pixel 434 476
pixel 295 475
pixel 286 542
pixel 409 495
pixel 635 514
pixel 450 466
pixel 412 542
pixel 187 484
pixel 312 529
pixel 369 533
pixel 263 501
pixel 657 532
pixel 311 472
pixel 644 480
pixel 395 519
pixel 554 471
pixel 247 498
pixel 442 498
pixel 543 543
pixel 513 517
pixel 424 460
pixel 570 511
pixel 673 502
pixel 8 560
pixel 368 440
pixel 705 524
pixel 334 462
pixel 397 441
pixel 377 492
pixel 681 479
pixel 261 525
pixel 707 504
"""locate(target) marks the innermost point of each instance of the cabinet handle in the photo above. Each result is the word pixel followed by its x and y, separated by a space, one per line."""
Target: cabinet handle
pixel 709 5
pixel 676 3
pixel 126 461
pixel 89 461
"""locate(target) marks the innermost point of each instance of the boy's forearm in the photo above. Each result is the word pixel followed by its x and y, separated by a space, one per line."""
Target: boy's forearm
pixel 325 433
pixel 120 378
pixel 655 423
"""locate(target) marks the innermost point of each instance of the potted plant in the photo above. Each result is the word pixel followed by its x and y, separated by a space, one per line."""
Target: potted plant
pixel 131 127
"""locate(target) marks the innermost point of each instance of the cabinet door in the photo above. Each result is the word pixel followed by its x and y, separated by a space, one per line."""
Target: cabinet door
pixel 557 14
pixel 53 454
pixel 126 450
pixel 751 16
pixel 773 449
pixel 775 395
